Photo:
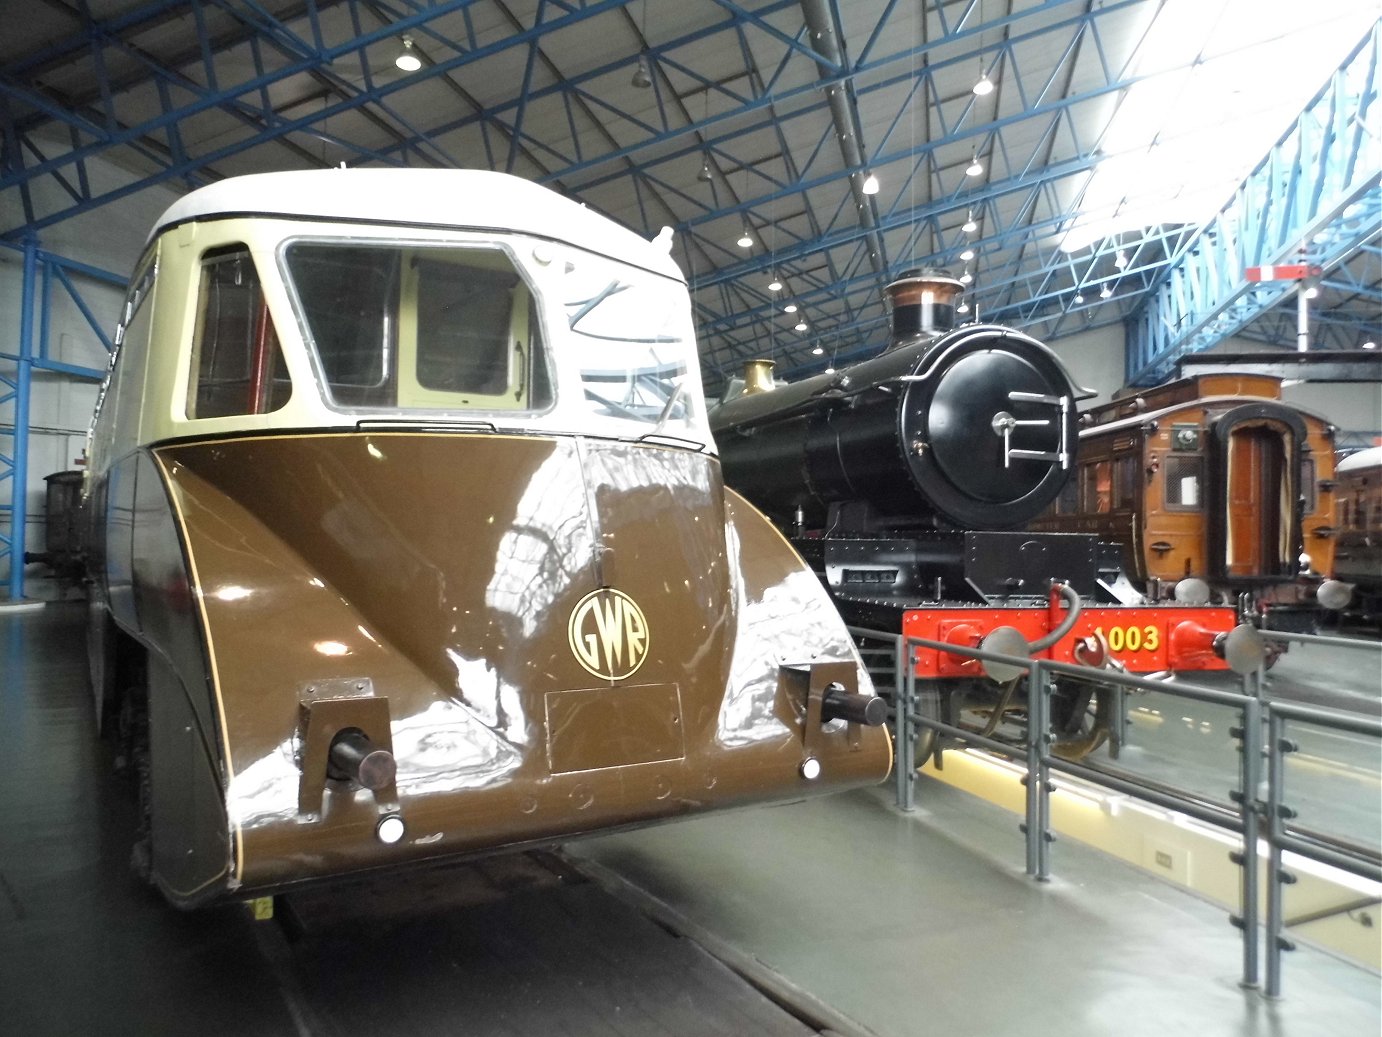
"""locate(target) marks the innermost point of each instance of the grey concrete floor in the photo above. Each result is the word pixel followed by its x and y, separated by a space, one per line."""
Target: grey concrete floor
pixel 925 923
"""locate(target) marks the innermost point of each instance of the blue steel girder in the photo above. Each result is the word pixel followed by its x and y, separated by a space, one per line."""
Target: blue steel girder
pixel 1315 198
pixel 414 20
pixel 215 99
pixel 39 268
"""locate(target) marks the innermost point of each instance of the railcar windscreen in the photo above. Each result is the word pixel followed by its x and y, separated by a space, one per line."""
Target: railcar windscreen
pixel 415 327
pixel 631 336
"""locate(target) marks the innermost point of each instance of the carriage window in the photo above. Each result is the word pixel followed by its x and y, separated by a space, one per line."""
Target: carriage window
pixel 1125 481
pixel 434 328
pixel 1307 485
pixel 237 365
pixel 1068 502
pixel 1096 494
pixel 1184 480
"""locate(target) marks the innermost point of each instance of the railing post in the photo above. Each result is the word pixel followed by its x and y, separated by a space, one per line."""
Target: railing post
pixel 1039 735
pixel 905 731
pixel 1277 877
pixel 1249 778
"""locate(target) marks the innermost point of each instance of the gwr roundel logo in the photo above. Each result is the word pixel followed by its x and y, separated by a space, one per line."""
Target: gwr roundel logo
pixel 608 634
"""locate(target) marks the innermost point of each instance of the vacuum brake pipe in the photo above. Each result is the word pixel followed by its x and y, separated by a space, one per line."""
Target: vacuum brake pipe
pixel 1072 601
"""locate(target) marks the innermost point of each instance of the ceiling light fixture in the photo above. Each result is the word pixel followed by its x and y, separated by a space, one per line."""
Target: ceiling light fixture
pixel 774 285
pixel 1312 292
pixel 818 351
pixel 1120 260
pixel 830 370
pixel 791 307
pixel 975 167
pixel 1079 298
pixel 967 255
pixel 966 277
pixel 801 325
pixel 870 184
pixel 746 238
pixel 704 176
pixel 985 85
pixel 1105 292
pixel 407 59
pixel 970 226
pixel 642 77
pixel 962 308
pixel 1369 345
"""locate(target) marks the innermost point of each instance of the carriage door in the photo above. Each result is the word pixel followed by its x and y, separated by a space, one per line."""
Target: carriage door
pixel 1261 521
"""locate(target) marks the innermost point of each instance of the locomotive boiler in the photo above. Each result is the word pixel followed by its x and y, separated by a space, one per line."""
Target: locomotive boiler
pixel 902 479
pixel 409 542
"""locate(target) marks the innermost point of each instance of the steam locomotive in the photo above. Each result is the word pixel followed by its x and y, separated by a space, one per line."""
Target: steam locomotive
pixel 408 541
pixel 901 478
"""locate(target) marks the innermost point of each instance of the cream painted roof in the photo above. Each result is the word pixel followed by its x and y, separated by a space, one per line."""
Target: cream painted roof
pixel 433 197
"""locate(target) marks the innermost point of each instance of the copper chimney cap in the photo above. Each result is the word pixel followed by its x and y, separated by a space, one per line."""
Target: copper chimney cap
pixel 923 302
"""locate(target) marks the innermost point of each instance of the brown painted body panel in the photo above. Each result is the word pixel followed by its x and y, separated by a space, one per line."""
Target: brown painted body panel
pixel 440 573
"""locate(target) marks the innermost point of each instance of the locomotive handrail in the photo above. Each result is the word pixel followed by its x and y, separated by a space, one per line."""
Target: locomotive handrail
pixel 1250 817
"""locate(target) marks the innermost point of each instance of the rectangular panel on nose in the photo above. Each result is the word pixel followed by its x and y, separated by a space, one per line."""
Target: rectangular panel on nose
pixel 613 727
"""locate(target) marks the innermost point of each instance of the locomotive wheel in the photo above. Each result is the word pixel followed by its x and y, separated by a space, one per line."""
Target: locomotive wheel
pixel 1080 719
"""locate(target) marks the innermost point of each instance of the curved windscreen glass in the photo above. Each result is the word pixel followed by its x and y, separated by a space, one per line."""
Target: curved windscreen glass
pixel 631 335
pixel 420 327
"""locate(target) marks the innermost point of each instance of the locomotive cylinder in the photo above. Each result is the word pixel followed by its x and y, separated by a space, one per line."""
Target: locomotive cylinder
pixel 973 427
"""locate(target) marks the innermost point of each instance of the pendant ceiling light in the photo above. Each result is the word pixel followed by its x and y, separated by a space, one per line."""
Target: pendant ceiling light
pixel 407 59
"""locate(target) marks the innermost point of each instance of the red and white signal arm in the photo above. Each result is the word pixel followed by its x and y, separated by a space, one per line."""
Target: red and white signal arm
pixel 1291 272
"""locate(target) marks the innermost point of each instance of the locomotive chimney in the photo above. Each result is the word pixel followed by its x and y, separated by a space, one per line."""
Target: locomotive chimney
pixel 923 303
pixel 758 377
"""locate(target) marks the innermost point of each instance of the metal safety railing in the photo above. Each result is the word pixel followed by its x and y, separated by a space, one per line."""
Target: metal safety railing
pixel 1254 820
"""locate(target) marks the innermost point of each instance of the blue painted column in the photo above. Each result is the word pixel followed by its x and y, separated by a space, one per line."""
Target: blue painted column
pixel 19 472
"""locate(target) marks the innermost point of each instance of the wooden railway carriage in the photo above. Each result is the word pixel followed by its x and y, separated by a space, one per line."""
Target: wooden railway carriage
pixel 1358 560
pixel 409 541
pixel 1211 477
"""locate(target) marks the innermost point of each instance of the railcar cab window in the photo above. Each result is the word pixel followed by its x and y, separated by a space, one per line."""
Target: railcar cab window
pixel 237 363
pixel 634 349
pixel 420 327
pixel 123 387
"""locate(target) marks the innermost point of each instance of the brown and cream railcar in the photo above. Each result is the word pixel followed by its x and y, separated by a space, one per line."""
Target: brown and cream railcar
pixel 1211 477
pixel 410 541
